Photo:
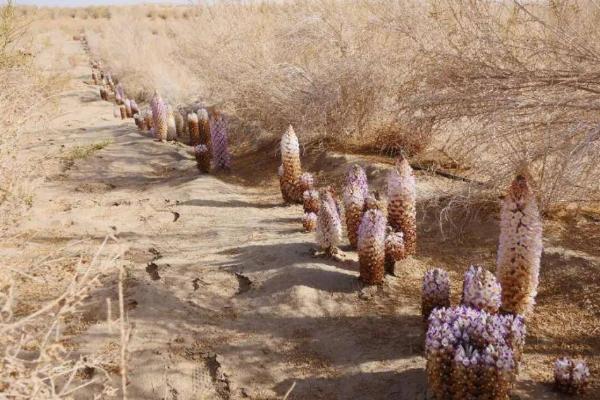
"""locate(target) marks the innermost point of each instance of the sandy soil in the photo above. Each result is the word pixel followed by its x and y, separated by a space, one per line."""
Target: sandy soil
pixel 224 295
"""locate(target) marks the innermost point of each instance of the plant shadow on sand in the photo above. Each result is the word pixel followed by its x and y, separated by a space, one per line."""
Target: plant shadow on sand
pixel 402 385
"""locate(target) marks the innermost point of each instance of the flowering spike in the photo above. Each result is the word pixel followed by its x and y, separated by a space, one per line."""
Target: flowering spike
pixel 355 193
pixel 358 177
pixel 219 141
pixel 290 159
pixel 202 157
pixel 110 82
pixel 481 290
pixel 402 197
pixel 371 247
pixel 123 111
pixel 193 129
pixel 394 250
pixel 103 93
pixel 139 121
pixel 329 226
pixel 436 291
pixel 309 221
pixel 519 248
pixel 171 127
pixel 305 182
pixel 159 117
pixel 179 126
pixel 282 185
pixel 373 202
pixel 571 376
pixel 148 120
pixel 204 128
pixel 128 111
pixel 119 94
pixel 134 107
pixel 311 201
pixel 470 353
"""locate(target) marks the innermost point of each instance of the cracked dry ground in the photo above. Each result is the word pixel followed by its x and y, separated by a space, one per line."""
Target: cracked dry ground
pixel 224 296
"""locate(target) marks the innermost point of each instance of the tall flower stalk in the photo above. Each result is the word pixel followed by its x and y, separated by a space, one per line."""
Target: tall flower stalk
pixel 179 125
pixel 371 247
pixel 481 290
pixel 292 169
pixel 171 126
pixel 394 251
pixel 204 136
pixel 355 193
pixel 202 155
pixel 519 248
pixel 309 221
pixel 193 129
pixel 402 196
pixel 219 141
pixel 311 201
pixel 436 291
pixel 329 225
pixel 159 117
pixel 571 376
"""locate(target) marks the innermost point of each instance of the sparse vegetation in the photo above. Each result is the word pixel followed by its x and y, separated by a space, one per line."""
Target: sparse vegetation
pixel 82 152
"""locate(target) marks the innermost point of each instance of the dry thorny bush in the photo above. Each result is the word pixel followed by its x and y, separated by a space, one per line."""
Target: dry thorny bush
pixel 24 91
pixel 509 85
pixel 36 359
pixel 493 85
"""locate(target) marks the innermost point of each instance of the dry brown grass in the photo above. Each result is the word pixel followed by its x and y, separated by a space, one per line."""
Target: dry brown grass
pixel 39 307
pixel 492 86
pixel 312 64
pixel 509 84
pixel 24 99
